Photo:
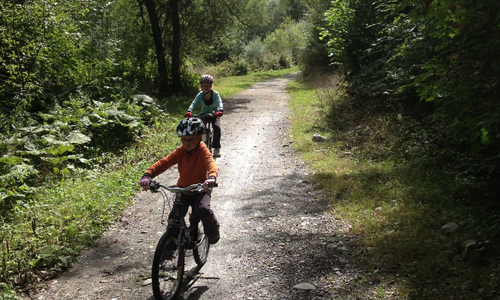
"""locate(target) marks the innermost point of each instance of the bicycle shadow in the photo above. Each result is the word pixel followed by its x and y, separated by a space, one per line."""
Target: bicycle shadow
pixel 188 289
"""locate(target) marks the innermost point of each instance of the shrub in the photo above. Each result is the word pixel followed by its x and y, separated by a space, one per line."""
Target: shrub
pixel 254 53
pixel 238 67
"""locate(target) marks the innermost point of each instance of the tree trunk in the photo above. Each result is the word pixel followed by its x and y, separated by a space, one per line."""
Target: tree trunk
pixel 176 46
pixel 160 53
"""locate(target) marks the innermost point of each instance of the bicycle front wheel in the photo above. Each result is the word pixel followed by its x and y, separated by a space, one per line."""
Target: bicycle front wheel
pixel 200 251
pixel 168 268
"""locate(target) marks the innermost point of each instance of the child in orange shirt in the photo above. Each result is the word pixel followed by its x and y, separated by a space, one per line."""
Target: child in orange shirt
pixel 195 165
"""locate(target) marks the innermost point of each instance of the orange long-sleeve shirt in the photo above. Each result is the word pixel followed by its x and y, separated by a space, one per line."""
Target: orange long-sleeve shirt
pixel 193 168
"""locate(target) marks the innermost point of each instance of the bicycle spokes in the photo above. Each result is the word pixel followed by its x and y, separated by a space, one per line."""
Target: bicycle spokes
pixel 168 268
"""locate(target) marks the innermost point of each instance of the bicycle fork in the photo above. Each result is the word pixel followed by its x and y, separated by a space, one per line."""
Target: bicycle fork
pixel 182 256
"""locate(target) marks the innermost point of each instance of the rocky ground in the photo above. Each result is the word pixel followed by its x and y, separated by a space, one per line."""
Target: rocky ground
pixel 276 230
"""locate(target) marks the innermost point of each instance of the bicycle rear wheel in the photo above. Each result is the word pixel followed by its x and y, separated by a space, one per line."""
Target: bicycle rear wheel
pixel 207 139
pixel 168 268
pixel 200 251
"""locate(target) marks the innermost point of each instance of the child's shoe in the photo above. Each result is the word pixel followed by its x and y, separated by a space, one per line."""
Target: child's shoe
pixel 214 240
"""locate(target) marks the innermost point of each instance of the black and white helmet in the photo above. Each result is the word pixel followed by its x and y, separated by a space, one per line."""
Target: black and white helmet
pixel 190 126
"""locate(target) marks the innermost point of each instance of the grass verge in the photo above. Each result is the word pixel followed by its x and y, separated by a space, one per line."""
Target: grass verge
pixel 45 236
pixel 227 86
pixel 396 206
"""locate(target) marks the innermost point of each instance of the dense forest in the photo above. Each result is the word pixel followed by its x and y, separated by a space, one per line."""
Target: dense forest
pixel 82 80
pixel 77 77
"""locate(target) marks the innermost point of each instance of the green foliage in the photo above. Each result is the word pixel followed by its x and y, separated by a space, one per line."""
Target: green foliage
pixel 286 44
pixel 52 43
pixel 54 122
pixel 72 134
pixel 66 179
pixel 258 19
pixel 237 67
pixel 279 50
pixel 254 53
pixel 49 233
pixel 394 54
pixel 463 54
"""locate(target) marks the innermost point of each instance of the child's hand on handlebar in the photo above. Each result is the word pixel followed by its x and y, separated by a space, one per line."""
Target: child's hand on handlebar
pixel 218 114
pixel 188 114
pixel 209 183
pixel 145 179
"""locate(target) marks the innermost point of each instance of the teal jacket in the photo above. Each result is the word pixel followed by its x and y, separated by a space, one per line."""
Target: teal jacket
pixel 216 104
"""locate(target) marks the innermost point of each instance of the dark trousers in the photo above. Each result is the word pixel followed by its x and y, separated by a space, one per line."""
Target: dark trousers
pixel 216 127
pixel 200 204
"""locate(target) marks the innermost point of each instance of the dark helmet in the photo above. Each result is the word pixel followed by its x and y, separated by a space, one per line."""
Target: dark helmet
pixel 190 126
pixel 206 79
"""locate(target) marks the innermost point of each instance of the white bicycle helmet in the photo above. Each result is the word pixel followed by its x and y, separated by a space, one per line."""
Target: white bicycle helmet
pixel 206 79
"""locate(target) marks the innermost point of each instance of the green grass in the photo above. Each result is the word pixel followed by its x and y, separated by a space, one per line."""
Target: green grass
pixel 69 215
pixel 396 207
pixel 227 86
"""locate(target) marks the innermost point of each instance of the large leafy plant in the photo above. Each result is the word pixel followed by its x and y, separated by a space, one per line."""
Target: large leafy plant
pixel 70 137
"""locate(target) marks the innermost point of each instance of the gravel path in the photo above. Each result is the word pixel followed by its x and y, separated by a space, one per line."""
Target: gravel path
pixel 276 231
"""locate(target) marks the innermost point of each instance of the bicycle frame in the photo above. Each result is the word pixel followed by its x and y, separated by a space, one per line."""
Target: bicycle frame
pixel 207 119
pixel 178 222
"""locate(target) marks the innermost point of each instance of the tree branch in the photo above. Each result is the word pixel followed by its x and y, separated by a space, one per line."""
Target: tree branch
pixel 231 12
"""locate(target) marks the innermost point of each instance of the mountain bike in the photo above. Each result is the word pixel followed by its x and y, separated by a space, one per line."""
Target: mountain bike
pixel 208 136
pixel 170 253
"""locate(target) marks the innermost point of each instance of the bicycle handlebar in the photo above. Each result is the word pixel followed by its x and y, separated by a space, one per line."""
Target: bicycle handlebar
pixel 197 187
pixel 205 116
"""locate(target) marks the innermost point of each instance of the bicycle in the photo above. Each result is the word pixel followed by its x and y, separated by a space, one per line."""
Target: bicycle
pixel 208 136
pixel 169 258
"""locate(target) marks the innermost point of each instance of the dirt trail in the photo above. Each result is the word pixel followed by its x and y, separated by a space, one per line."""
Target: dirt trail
pixel 275 229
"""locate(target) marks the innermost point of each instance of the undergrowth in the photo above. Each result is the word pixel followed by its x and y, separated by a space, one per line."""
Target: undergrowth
pixel 43 234
pixel 385 179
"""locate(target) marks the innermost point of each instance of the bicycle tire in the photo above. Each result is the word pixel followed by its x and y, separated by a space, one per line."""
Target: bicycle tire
pixel 200 251
pixel 168 268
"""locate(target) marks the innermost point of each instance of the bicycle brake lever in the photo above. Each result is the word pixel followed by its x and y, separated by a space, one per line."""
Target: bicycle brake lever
pixel 200 187
pixel 154 186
